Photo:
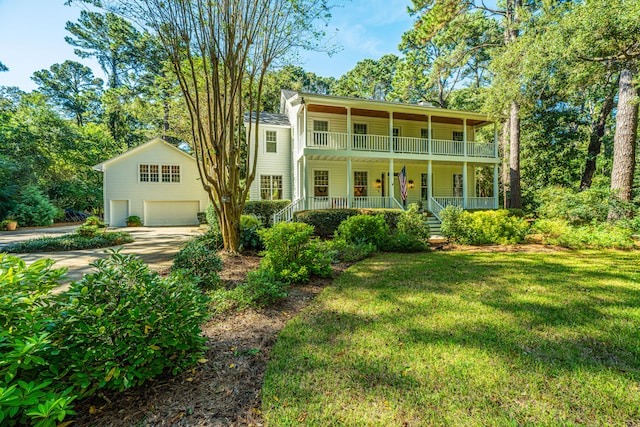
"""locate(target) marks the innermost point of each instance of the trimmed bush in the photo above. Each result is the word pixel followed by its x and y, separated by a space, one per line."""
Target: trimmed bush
pixel 363 229
pixel 33 208
pixel 340 250
pixel 70 242
pixel 264 209
pixel 199 259
pixel 291 255
pixel 326 222
pixel 482 227
pixel 125 324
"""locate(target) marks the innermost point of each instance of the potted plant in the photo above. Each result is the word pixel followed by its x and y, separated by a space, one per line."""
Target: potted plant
pixel 134 221
pixel 9 224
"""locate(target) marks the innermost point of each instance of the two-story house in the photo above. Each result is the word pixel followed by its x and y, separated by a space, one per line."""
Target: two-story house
pixel 325 152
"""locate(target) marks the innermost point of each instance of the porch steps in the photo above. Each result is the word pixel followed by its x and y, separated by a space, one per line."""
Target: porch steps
pixel 434 225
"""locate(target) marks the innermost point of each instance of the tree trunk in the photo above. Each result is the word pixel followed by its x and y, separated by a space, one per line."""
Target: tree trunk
pixel 595 141
pixel 515 199
pixel 624 142
pixel 504 148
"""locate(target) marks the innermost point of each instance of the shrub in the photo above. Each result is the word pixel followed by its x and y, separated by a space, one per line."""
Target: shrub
pixel 69 242
pixel 249 236
pixel 264 209
pixel 261 288
pixel 324 222
pixel 33 208
pixel 26 345
pixel 599 236
pixel 482 227
pixel 340 250
pixel 291 255
pixel 580 208
pixel 87 230
pixel 363 229
pixel 413 223
pixel 199 259
pixel 94 220
pixel 125 324
pixel 134 221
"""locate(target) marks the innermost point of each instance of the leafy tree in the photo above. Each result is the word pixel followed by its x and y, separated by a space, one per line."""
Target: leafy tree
pixel 72 87
pixel 369 79
pixel 293 78
pixel 3 67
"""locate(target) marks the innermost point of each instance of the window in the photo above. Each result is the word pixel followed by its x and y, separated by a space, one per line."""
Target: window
pixel 424 190
pixel 271 187
pixel 458 136
pixel 320 183
pixel 360 184
pixel 424 133
pixel 320 129
pixel 159 173
pixel 396 132
pixel 359 135
pixel 457 185
pixel 271 139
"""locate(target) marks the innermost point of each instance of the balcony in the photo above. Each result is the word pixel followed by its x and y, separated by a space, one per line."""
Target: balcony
pixel 401 144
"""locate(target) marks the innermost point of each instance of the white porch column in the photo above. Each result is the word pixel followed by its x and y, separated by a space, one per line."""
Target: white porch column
pixel 391 182
pixel 391 131
pixel 495 139
pixel 349 140
pixel 349 183
pixel 304 126
pixel 464 135
pixel 429 184
pixel 495 186
pixel 429 133
pixel 464 185
pixel 304 181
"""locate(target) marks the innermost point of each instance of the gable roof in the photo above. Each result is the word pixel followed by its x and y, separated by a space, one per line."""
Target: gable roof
pixel 271 119
pixel 101 166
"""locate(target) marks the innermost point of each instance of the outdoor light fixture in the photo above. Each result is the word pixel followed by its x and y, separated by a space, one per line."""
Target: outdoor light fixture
pixel 410 183
pixel 378 183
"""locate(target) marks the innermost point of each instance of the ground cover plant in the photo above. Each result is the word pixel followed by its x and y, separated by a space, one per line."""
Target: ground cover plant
pixel 465 338
pixel 70 242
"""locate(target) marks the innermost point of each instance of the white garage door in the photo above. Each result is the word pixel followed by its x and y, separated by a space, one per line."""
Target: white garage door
pixel 171 213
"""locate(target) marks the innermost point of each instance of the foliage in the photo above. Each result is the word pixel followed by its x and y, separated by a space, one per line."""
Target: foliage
pixel 94 220
pixel 26 395
pixel 125 325
pixel 134 221
pixel 260 289
pixel 414 223
pixel 87 230
pixel 264 209
pixel 70 242
pixel 5 222
pixel 604 235
pixel 199 260
pixel 340 250
pixel 580 208
pixel 432 339
pixel 290 254
pixel 249 236
pixel 369 79
pixel 33 208
pixel 326 222
pixel 365 229
pixel 482 227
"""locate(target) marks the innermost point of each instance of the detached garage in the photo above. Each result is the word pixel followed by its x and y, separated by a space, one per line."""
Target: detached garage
pixel 155 181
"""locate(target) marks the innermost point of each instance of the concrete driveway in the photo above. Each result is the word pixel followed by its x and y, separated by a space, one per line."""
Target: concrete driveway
pixel 156 246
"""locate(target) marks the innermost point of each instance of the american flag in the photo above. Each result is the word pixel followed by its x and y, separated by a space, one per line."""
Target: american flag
pixel 403 183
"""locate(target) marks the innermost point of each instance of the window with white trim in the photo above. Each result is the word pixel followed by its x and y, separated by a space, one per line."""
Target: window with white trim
pixel 360 181
pixel 359 135
pixel 271 139
pixel 424 133
pixel 320 183
pixel 271 187
pixel 458 136
pixel 158 173
pixel 424 190
pixel 457 185
pixel 320 132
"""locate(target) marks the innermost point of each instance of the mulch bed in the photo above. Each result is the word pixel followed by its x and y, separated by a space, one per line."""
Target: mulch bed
pixel 224 391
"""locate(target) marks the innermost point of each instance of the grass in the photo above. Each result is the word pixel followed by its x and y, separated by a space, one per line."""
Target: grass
pixel 465 339
pixel 70 242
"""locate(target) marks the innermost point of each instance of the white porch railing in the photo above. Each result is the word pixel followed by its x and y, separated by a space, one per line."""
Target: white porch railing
pixel 449 201
pixel 401 144
pixel 436 208
pixel 286 214
pixel 480 203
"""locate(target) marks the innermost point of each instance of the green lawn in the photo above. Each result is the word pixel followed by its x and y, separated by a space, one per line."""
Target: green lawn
pixel 467 339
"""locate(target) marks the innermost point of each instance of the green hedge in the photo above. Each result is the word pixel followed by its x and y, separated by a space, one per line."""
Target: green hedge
pixel 326 222
pixel 264 209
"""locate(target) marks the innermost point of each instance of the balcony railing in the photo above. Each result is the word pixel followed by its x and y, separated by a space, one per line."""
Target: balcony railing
pixel 315 203
pixel 401 144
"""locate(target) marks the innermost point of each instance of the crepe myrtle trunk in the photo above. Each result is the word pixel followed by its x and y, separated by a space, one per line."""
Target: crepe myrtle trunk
pixel 515 199
pixel 624 142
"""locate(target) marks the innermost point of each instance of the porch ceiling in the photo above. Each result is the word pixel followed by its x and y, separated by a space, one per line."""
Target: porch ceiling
pixel 333 109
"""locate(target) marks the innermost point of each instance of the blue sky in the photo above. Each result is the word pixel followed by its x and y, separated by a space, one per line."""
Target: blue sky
pixel 32 37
